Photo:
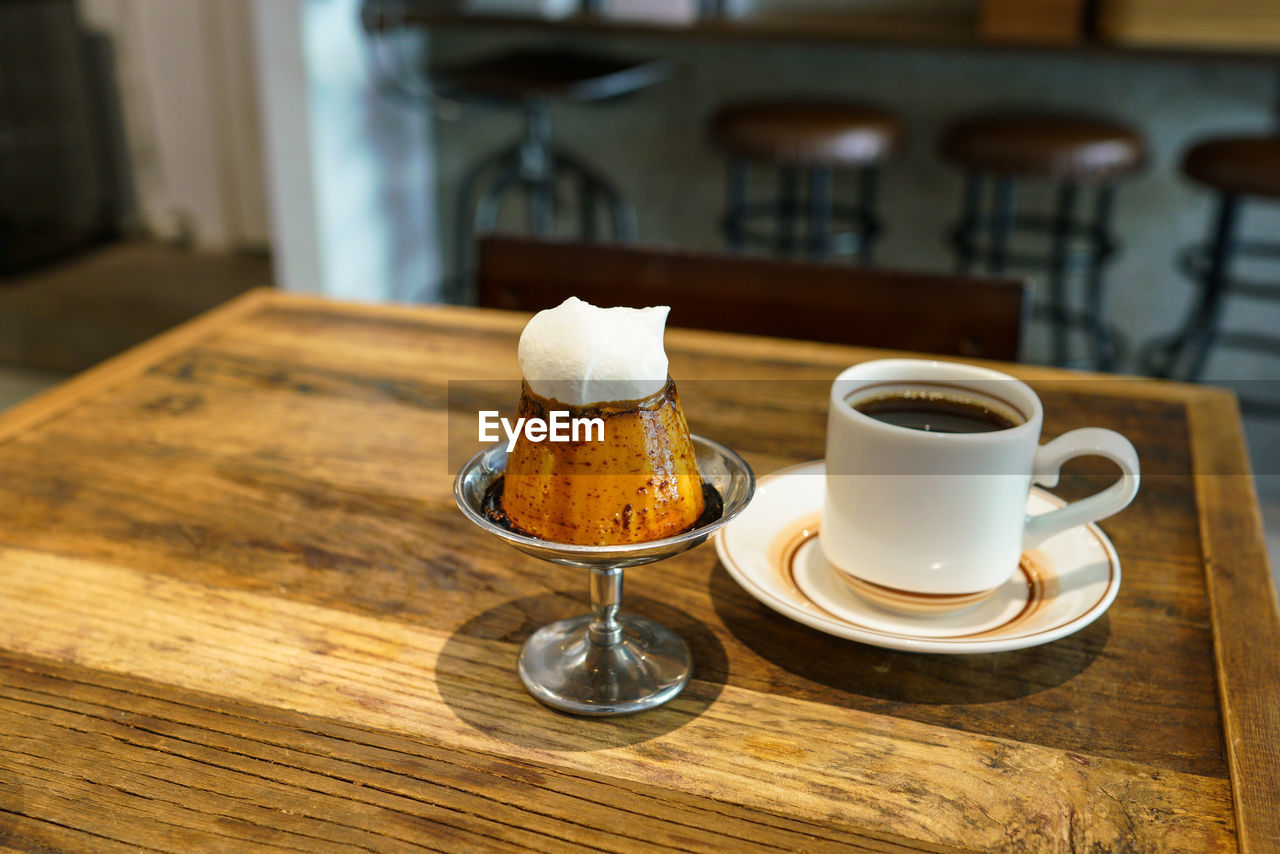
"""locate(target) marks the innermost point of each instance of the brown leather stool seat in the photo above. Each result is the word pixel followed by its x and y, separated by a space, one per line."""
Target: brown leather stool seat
pixel 798 132
pixel 1241 169
pixel 1245 165
pixel 1073 152
pixel 1055 146
pixel 815 138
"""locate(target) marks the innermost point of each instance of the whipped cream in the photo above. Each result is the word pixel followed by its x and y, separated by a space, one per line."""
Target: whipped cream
pixel 579 354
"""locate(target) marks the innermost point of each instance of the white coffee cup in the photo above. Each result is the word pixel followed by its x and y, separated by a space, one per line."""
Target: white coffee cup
pixel 911 512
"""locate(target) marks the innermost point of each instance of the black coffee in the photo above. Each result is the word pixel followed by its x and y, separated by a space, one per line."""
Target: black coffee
pixel 935 412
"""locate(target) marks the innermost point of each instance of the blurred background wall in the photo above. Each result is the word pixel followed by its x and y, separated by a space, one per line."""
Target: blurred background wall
pixel 248 123
pixel 655 145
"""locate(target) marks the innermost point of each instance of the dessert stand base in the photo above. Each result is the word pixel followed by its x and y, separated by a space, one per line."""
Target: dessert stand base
pixel 565 667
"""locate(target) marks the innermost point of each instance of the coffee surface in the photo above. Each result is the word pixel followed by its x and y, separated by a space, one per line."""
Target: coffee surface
pixel 935 412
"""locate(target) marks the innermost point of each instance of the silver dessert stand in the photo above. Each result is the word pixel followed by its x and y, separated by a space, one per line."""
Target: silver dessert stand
pixel 606 663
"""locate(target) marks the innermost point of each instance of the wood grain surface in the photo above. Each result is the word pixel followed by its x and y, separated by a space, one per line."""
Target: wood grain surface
pixel 238 610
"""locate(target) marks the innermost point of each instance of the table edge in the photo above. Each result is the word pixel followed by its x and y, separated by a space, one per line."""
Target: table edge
pixel 136 360
pixel 1246 626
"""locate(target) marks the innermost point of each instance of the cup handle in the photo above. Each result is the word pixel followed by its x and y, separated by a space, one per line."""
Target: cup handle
pixel 1086 442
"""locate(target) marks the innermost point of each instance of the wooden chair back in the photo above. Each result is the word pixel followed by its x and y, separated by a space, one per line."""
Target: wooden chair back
pixel 933 313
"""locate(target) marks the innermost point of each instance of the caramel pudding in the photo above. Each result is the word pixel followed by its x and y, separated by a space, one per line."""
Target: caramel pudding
pixel 637 482
pixel 640 483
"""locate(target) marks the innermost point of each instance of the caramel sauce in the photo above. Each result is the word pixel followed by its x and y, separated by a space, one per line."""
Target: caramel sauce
pixel 713 509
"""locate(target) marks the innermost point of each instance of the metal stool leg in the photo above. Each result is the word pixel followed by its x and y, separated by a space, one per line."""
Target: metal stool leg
pixel 1215 285
pixel 485 217
pixel 537 167
pixel 966 229
pixel 788 208
pixel 457 290
pixel 587 207
pixel 1102 343
pixel 1058 258
pixel 821 180
pixel 465 225
pixel 622 212
pixel 542 206
pixel 735 228
pixel 1200 328
pixel 867 225
pixel 626 227
pixel 526 163
pixel 1001 223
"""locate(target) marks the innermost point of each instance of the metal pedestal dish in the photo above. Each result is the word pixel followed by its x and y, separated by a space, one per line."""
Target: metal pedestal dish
pixel 604 663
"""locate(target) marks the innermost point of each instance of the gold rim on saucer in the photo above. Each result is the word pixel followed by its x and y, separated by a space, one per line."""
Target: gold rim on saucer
pixel 773 553
pixel 909 602
pixel 1036 574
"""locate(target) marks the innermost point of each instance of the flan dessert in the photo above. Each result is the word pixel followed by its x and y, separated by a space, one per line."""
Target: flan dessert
pixel 631 475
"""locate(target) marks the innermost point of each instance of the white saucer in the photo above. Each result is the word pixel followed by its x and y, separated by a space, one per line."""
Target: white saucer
pixel 772 551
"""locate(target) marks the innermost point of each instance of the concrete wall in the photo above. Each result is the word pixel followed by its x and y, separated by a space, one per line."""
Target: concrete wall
pixel 654 145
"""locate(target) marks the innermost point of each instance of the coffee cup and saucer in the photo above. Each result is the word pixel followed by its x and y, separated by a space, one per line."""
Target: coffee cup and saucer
pixel 929 527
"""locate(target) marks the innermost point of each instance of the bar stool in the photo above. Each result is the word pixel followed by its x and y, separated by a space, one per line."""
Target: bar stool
pixel 1072 152
pixel 531 79
pixel 799 137
pixel 1236 168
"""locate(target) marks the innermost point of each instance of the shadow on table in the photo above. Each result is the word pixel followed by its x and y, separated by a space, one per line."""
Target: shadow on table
pixel 899 677
pixel 476 676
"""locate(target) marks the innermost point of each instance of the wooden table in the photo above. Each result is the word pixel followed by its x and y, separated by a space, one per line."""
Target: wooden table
pixel 239 610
